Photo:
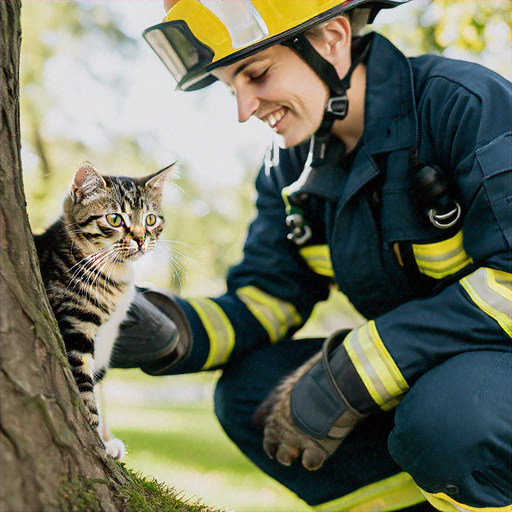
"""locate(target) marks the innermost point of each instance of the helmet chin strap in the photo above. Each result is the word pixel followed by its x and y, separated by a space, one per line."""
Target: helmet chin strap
pixel 337 104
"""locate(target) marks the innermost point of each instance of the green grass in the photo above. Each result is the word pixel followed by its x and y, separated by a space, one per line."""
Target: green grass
pixel 182 445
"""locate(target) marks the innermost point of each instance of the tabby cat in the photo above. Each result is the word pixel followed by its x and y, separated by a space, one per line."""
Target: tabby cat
pixel 85 257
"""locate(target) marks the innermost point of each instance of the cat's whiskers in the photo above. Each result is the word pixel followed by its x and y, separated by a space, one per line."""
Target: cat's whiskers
pixel 109 269
pixel 176 253
pixel 92 276
pixel 83 267
pixel 179 263
pixel 102 268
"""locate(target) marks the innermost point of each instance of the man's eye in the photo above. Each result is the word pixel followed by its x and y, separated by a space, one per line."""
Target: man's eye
pixel 258 77
pixel 114 219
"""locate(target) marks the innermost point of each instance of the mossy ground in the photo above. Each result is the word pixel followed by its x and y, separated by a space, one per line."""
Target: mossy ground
pixel 140 494
pixel 148 495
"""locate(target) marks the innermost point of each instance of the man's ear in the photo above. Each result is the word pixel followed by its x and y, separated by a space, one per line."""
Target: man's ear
pixel 335 43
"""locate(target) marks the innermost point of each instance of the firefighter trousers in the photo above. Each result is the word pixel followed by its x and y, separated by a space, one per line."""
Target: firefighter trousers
pixel 448 441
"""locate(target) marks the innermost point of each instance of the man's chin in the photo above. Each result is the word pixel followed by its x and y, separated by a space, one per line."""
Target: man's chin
pixel 290 142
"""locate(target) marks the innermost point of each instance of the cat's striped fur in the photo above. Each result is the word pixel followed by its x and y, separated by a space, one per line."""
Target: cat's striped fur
pixel 85 259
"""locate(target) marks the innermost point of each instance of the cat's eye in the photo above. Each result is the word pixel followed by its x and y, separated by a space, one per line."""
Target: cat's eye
pixel 151 220
pixel 114 219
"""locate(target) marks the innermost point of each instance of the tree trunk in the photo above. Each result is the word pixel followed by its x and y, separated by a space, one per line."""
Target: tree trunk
pixel 50 457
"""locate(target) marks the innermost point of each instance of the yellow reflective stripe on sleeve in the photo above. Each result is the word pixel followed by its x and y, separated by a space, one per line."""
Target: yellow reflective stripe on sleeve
pixel 491 291
pixel 393 493
pixel 318 258
pixel 275 315
pixel 379 373
pixel 219 329
pixel 441 259
pixel 444 503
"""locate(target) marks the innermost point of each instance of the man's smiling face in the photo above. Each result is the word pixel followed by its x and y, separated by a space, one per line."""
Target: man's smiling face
pixel 278 87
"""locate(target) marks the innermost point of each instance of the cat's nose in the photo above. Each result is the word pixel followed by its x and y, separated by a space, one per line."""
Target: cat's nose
pixel 139 241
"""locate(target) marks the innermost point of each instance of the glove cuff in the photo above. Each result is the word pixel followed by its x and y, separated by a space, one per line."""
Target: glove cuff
pixel 169 306
pixel 146 337
pixel 318 406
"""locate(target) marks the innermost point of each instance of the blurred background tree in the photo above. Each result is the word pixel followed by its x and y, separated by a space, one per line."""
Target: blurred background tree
pixel 91 89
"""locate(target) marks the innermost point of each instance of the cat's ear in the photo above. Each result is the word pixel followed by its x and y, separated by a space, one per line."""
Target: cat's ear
pixel 87 183
pixel 155 182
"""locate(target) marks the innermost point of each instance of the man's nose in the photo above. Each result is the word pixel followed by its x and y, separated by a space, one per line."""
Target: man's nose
pixel 247 104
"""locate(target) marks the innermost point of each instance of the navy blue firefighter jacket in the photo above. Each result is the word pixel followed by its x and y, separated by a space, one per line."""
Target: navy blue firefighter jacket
pixel 427 293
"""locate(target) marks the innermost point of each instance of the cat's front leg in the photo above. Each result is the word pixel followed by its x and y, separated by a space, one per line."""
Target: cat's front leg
pixel 82 368
pixel 113 446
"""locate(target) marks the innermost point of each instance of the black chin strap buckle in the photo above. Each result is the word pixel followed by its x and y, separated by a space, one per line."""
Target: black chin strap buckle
pixel 338 106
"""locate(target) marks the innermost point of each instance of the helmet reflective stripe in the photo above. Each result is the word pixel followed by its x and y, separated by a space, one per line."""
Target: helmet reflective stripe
pixel 198 36
pixel 242 20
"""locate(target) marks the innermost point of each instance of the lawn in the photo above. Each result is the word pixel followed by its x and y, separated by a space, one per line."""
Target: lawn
pixel 171 433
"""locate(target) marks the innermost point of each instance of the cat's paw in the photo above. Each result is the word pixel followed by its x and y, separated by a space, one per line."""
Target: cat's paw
pixel 115 448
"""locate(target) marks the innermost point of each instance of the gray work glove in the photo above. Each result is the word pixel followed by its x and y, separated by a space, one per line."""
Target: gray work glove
pixel 155 337
pixel 307 416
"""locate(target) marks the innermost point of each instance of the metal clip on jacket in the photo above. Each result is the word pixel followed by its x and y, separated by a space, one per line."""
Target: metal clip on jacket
pixel 434 198
pixel 300 232
pixel 445 220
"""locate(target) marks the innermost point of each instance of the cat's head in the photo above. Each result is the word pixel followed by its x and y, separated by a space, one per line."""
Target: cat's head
pixel 117 218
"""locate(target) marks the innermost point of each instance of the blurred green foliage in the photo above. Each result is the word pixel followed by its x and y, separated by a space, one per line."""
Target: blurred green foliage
pixel 474 30
pixel 206 238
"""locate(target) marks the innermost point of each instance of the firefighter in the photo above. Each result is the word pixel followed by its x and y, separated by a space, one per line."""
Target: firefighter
pixel 392 184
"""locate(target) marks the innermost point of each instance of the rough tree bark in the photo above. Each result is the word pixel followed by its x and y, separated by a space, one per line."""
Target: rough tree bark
pixel 49 455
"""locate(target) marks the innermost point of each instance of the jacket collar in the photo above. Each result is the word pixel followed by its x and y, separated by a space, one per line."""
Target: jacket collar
pixel 390 125
pixel 390 113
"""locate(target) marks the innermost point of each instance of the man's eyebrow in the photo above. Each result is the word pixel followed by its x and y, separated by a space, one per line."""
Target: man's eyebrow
pixel 247 62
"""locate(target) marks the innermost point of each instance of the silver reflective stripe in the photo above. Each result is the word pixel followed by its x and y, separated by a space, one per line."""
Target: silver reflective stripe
pixel 241 19
pixel 491 291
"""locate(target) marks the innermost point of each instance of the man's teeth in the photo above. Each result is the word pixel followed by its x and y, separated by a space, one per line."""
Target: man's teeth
pixel 274 118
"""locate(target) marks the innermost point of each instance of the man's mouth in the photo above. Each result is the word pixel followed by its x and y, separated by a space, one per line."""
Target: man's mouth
pixel 274 118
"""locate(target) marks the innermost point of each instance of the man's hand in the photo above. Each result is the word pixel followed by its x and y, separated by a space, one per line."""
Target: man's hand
pixel 283 439
pixel 308 415
pixel 155 337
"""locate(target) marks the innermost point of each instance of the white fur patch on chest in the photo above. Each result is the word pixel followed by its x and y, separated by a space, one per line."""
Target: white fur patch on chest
pixel 108 332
